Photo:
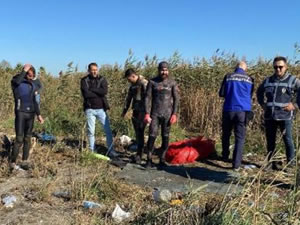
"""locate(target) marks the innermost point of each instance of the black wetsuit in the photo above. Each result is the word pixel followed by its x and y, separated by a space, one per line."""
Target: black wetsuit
pixel 136 95
pixel 25 109
pixel 161 103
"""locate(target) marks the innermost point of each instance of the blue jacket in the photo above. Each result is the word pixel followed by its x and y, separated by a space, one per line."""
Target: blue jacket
pixel 237 89
pixel 24 94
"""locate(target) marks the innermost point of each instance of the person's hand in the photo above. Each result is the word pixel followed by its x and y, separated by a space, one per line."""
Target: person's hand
pixel 40 119
pixel 147 119
pixel 173 119
pixel 27 67
pixel 289 107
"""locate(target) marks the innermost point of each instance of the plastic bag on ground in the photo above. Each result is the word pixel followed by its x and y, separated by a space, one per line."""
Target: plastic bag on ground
pixel 125 140
pixel 9 201
pixel 119 214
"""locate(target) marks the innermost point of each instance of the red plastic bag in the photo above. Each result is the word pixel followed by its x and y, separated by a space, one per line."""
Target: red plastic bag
pixel 190 150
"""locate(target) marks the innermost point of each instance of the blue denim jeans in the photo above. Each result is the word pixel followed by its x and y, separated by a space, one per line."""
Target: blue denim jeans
pixel 91 116
pixel 285 127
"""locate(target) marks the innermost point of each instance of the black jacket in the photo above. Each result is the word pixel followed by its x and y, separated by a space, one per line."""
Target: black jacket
pixel 94 91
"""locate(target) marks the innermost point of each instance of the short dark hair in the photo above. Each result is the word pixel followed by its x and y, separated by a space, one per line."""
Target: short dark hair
pixel 33 70
pixel 92 64
pixel 129 72
pixel 163 64
pixel 280 58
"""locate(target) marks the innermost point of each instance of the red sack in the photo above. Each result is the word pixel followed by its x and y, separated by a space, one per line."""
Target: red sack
pixel 190 150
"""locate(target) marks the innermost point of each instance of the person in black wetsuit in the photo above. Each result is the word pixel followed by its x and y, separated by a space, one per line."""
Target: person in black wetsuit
pixel 136 98
pixel 26 108
pixel 161 105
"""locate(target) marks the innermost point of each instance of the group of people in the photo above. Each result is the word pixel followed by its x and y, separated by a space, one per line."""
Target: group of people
pixel 155 102
pixel 278 95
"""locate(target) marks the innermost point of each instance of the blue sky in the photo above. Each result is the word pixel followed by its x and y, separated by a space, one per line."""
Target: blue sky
pixel 55 32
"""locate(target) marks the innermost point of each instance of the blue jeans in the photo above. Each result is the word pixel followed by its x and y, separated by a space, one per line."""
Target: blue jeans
pixel 91 116
pixel 285 127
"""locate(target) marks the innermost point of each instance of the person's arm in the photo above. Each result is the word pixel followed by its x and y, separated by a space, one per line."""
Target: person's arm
pixel 260 94
pixel 86 93
pixel 18 79
pixel 222 89
pixel 296 99
pixel 102 90
pixel 148 98
pixel 175 96
pixel 127 102
pixel 39 85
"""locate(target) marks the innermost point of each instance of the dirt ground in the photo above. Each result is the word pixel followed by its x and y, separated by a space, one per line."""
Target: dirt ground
pixel 61 168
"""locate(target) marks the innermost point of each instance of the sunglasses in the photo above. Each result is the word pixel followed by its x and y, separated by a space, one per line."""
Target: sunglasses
pixel 278 67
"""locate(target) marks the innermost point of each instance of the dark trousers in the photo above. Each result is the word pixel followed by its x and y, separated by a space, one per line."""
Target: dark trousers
pixel 236 121
pixel 23 127
pixel 285 127
pixel 164 122
pixel 139 128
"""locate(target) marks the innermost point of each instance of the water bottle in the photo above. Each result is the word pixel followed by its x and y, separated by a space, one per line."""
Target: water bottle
pixel 91 205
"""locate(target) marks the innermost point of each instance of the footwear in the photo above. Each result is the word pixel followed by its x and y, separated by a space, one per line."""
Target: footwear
pixel 291 164
pixel 149 164
pixel 113 154
pixel 12 166
pixel 225 159
pixel 271 166
pixel 237 169
pixel 137 159
pixel 162 164
pixel 26 165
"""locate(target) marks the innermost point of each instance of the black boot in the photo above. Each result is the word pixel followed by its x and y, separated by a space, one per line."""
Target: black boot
pixel 150 146
pixel 138 157
pixel 164 149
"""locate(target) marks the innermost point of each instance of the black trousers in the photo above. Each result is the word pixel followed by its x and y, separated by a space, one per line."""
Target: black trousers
pixel 164 123
pixel 139 128
pixel 236 121
pixel 23 127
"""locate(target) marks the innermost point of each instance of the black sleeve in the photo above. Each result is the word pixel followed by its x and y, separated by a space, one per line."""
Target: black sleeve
pixel 148 98
pixel 18 79
pixel 128 101
pixel 175 96
pixel 39 85
pixel 86 93
pixel 36 107
pixel 222 89
pixel 260 94
pixel 102 90
pixel 298 98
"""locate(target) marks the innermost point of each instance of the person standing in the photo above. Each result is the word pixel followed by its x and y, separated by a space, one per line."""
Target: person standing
pixel 136 96
pixel 276 95
pixel 94 89
pixel 26 107
pixel 237 89
pixel 161 105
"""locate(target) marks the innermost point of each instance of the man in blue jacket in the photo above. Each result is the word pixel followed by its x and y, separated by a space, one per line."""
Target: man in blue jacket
pixel 237 89
pixel 26 107
pixel 276 95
